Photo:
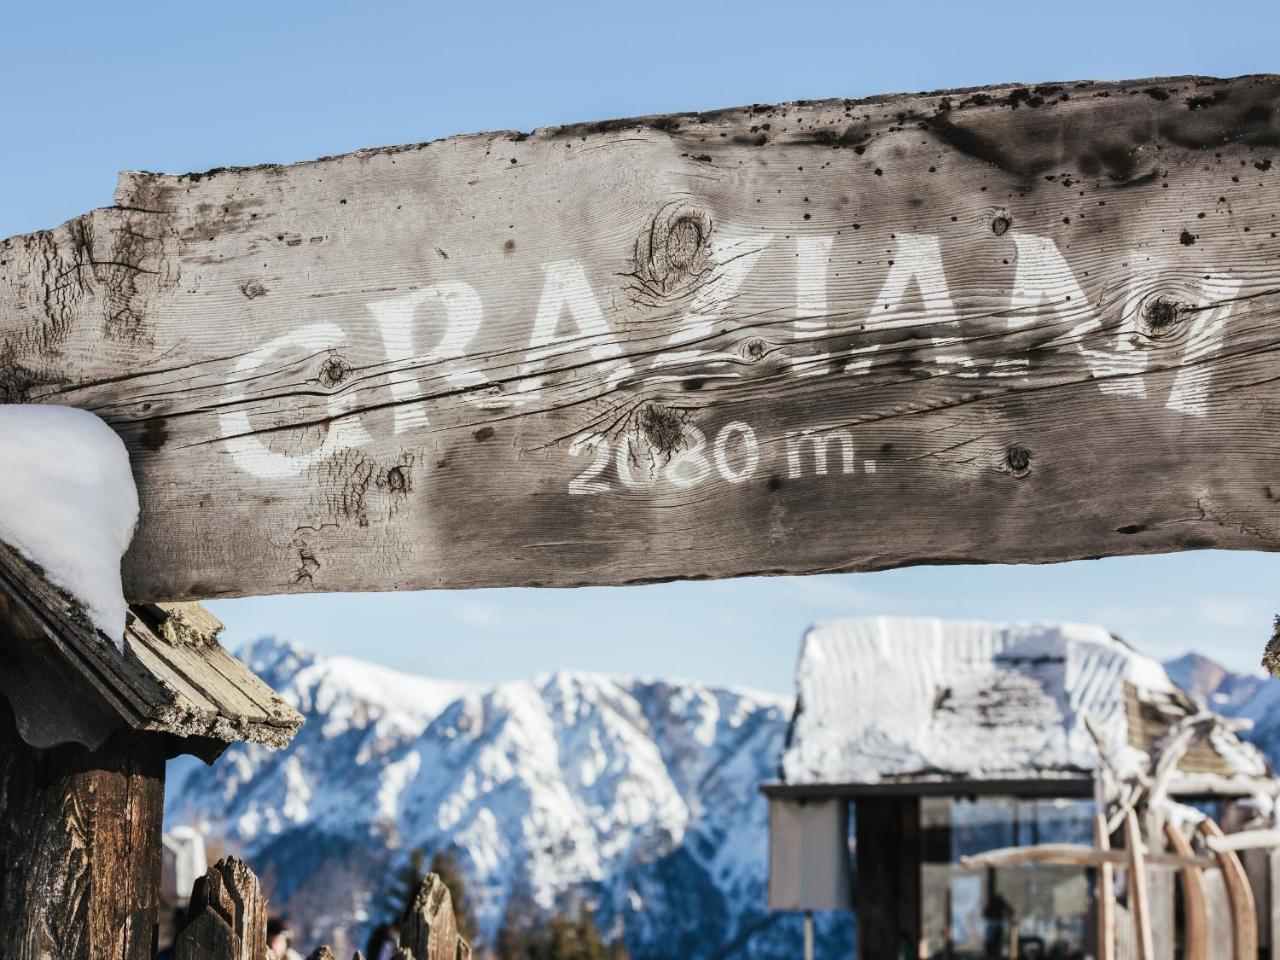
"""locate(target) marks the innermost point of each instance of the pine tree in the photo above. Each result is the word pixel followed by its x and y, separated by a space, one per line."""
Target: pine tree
pixel 589 945
pixel 513 940
pixel 404 885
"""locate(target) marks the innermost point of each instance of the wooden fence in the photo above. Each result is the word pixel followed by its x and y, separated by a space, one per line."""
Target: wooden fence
pixel 1219 919
pixel 227 920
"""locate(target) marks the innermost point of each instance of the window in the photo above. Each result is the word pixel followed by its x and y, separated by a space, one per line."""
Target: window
pixel 1018 913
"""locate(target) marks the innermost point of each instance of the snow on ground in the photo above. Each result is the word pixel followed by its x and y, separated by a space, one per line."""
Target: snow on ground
pixel 68 504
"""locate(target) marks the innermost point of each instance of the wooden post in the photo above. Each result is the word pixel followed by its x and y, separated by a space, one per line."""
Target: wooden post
pixel 228 917
pixel 429 929
pixel 80 847
pixel 1106 893
pixel 889 853
pixel 1139 903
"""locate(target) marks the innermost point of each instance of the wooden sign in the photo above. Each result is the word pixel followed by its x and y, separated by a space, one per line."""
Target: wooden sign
pixel 1003 325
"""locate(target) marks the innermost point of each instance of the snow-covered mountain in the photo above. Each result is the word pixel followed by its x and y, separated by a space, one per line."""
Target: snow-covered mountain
pixel 1255 698
pixel 636 798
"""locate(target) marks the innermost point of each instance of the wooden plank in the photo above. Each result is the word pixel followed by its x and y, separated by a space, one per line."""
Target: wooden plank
pixel 1139 899
pixel 1002 325
pixel 1160 889
pixel 227 919
pixel 1244 917
pixel 1195 909
pixel 1244 840
pixel 1075 855
pixel 79 847
pixel 1106 902
pixel 1219 908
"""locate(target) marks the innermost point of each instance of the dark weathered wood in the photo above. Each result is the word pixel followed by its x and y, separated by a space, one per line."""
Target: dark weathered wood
pixel 79 847
pixel 889 848
pixel 227 917
pixel 1012 324
pixel 429 929
pixel 66 683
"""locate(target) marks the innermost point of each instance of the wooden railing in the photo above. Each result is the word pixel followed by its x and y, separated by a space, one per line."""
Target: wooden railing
pixel 227 920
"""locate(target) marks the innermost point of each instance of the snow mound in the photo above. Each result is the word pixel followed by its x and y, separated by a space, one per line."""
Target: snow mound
pixel 68 504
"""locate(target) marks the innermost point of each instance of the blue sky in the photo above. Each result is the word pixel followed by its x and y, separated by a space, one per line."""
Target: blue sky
pixel 93 89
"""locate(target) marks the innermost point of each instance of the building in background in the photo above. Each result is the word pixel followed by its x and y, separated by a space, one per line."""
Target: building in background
pixel 916 741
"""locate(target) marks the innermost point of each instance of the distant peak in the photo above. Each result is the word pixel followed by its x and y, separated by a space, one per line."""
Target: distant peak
pixel 272 654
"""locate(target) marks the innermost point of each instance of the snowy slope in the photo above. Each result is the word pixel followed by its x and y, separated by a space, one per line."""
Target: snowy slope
pixel 636 797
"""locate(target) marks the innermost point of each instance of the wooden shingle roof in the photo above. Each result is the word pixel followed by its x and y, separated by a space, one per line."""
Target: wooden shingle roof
pixel 68 683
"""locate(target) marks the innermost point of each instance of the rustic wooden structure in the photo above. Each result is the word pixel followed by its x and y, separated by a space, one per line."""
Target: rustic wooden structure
pixel 228 921
pixel 939 733
pixel 1015 324
pixel 84 734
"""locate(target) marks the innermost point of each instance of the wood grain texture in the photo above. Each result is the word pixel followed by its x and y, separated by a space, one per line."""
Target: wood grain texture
pixel 79 847
pixel 1001 325
pixel 429 929
pixel 67 683
pixel 227 916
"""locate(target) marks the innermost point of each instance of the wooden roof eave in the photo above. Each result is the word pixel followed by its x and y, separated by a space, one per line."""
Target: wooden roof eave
pixel 67 683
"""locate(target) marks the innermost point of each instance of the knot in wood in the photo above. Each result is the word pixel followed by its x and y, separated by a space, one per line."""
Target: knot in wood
pixel 673 252
pixel 1160 316
pixel 333 371
pixel 1001 223
pixel 661 426
pixel 755 349
pixel 1017 460
pixel 398 480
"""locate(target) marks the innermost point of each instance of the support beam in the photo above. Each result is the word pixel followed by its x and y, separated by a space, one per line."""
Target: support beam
pixel 80 847
pixel 889 847
pixel 1002 325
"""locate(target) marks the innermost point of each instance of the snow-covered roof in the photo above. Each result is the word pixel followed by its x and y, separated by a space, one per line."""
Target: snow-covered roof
pixel 920 698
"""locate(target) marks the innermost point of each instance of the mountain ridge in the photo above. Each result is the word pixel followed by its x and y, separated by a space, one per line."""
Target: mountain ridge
pixel 636 798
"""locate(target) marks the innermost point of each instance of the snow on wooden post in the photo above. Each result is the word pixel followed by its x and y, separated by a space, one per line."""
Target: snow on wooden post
pixel 85 729
pixel 1012 324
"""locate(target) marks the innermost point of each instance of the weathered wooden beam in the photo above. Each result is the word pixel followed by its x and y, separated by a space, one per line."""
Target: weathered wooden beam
pixel 1011 324
pixel 79 847
pixel 1076 855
